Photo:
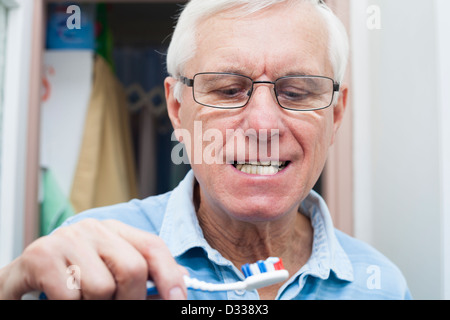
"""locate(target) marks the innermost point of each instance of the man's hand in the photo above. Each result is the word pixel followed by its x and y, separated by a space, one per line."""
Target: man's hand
pixel 114 261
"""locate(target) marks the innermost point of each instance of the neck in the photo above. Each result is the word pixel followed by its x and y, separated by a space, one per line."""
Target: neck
pixel 289 238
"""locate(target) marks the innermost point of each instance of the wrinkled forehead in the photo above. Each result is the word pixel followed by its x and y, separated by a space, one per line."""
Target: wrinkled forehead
pixel 279 40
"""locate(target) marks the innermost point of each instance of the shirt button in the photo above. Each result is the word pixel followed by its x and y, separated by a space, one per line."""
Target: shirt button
pixel 239 292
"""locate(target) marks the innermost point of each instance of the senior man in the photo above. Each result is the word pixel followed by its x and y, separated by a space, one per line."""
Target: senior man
pixel 270 71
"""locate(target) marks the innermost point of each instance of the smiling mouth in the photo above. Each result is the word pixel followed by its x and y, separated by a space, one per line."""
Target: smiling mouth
pixel 263 168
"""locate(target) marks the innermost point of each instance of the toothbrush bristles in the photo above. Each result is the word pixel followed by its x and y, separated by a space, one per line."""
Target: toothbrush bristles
pixel 268 265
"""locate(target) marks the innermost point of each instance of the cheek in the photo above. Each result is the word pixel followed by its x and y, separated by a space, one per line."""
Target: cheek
pixel 317 129
pixel 314 137
pixel 203 135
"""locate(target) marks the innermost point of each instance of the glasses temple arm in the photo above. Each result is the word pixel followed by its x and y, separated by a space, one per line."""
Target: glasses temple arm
pixel 186 81
pixel 336 87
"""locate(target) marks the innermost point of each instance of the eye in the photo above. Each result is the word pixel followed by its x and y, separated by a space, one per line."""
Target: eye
pixel 296 94
pixel 230 91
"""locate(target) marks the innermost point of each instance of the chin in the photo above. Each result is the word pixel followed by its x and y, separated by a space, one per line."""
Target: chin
pixel 248 197
pixel 260 209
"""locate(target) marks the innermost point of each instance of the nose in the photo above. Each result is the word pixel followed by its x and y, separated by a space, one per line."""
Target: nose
pixel 263 114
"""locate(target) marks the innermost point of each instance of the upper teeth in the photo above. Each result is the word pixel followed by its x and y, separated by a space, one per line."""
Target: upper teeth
pixel 261 168
pixel 263 163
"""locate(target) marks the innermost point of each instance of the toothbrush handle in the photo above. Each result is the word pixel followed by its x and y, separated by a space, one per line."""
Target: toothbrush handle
pixel 195 284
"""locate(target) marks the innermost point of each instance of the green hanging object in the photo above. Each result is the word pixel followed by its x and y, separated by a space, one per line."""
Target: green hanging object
pixel 55 206
pixel 104 38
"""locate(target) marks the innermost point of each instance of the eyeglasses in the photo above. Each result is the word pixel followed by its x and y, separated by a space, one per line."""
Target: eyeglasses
pixel 232 91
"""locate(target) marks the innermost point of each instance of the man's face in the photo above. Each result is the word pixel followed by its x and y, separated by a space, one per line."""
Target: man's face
pixel 265 46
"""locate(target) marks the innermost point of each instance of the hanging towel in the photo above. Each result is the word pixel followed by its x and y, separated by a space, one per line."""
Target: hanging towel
pixel 55 207
pixel 105 172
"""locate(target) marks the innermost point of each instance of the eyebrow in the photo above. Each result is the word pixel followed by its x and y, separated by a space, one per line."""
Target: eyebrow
pixel 277 75
pixel 236 68
pixel 298 73
pixel 301 72
pixel 239 71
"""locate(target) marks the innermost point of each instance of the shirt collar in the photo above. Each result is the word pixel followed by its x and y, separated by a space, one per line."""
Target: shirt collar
pixel 181 231
pixel 327 253
pixel 180 228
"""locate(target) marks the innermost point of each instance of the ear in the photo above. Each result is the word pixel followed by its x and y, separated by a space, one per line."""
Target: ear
pixel 339 110
pixel 173 106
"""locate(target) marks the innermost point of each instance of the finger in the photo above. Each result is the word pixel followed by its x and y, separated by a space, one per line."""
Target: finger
pixel 111 267
pixel 183 270
pixel 128 267
pixel 92 276
pixel 41 268
pixel 166 273
pixel 162 267
pixel 85 271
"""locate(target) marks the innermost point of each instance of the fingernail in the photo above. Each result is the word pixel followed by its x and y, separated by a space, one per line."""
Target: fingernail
pixel 176 293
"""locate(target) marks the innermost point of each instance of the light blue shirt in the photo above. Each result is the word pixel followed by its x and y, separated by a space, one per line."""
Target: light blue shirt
pixel 340 267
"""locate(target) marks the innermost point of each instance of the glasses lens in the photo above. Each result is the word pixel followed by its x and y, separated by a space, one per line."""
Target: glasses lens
pixel 222 90
pixel 304 93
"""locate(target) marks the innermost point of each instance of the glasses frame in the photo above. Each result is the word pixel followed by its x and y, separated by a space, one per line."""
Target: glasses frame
pixel 190 83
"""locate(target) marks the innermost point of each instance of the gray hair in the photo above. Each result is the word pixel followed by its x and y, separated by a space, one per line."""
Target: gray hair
pixel 183 44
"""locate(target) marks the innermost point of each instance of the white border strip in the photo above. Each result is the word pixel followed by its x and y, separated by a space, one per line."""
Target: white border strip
pixel 361 93
pixel 14 128
pixel 443 51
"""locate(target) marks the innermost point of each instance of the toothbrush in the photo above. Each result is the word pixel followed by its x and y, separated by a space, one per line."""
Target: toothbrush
pixel 257 275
